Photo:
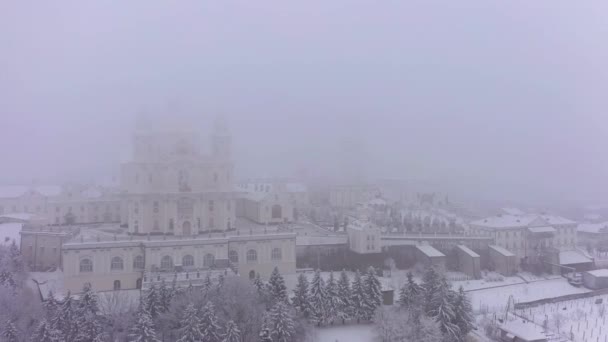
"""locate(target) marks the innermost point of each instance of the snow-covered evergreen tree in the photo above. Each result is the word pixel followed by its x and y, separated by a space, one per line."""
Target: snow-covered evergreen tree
pixel 209 325
pixel 87 323
pixel 430 284
pixel 265 335
pixel 50 305
pixel 153 303
pixel 463 313
pixel 280 323
pixel 165 294
pixel 18 266
pixel 318 299
pixel 45 333
pixel 64 320
pixel 259 284
pixel 333 299
pixel 442 310
pixel 233 334
pixel 220 282
pixel 359 302
pixel 143 330
pixel 276 286
pixel 409 292
pixel 207 283
pixel 344 293
pixel 9 332
pixel 190 326
pixel 373 290
pixel 300 296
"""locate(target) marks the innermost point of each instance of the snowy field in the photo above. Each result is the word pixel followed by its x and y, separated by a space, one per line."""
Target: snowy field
pixel 9 232
pixel 495 299
pixel 349 333
pixel 579 320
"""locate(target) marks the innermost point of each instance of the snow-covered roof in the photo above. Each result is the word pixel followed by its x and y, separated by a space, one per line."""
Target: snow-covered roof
pixel 506 221
pixel 545 229
pixel 15 191
pixel 91 192
pixel 572 257
pixel 599 273
pixel 18 216
pixel 554 219
pixel 501 250
pixel 429 251
pixel 469 251
pixel 593 227
pixel 296 187
pixel 525 330
pixel 376 201
pixel 9 232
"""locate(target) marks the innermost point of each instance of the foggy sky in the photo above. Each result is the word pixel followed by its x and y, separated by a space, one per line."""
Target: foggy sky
pixel 503 99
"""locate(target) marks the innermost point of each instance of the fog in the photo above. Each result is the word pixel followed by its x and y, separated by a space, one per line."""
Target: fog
pixel 501 100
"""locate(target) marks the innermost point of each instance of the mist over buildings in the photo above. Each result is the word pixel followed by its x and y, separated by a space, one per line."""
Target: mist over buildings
pixel 485 100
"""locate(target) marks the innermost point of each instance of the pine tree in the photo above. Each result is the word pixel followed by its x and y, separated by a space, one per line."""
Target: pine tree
pixel 233 334
pixel 265 335
pixel 10 332
pixel 463 313
pixel 300 296
pixel 50 305
pixel 88 302
pixel 143 330
pixel 333 299
pixel 358 299
pixel 87 325
pixel 442 310
pixel 220 282
pixel 209 325
pixel 45 333
pixel 18 266
pixel 281 323
pixel 430 284
pixel 207 283
pixel 153 303
pixel 276 286
pixel 318 299
pixel 64 320
pixel 259 284
pixel 165 294
pixel 190 326
pixel 373 289
pixel 409 292
pixel 344 292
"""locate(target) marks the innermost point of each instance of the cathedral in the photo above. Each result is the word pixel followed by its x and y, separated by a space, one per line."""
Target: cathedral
pixel 180 219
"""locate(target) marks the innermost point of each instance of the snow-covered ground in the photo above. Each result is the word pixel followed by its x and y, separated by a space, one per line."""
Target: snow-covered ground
pixel 495 299
pixel 348 333
pixel 579 320
pixel 9 232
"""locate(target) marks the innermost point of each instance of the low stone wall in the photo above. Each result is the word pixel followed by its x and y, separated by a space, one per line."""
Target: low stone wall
pixel 560 299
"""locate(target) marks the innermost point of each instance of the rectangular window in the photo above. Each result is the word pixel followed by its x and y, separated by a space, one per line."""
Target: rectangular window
pixel 211 205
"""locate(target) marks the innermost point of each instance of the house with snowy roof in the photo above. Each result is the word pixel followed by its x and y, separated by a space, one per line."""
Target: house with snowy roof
pixel 531 236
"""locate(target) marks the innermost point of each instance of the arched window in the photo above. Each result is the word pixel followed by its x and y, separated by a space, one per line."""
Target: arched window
pixel 208 260
pixel 277 254
pixel 228 225
pixel 116 285
pixel 251 274
pixel 86 265
pixel 252 255
pixel 138 262
pixel 276 211
pixel 188 260
pixel 166 262
pixel 233 256
pixel 116 264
